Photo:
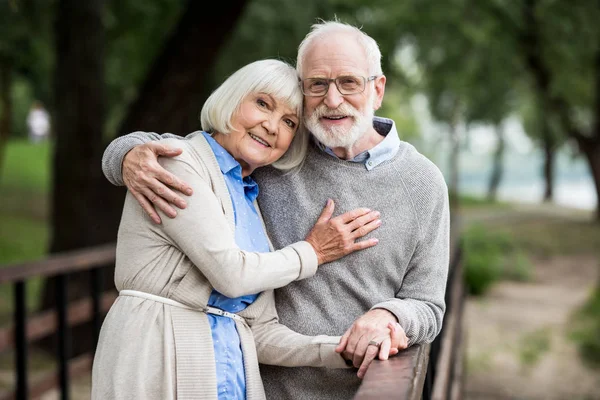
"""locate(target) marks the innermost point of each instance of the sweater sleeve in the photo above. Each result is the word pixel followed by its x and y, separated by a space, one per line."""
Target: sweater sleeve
pixel 276 344
pixel 112 159
pixel 419 305
pixel 202 232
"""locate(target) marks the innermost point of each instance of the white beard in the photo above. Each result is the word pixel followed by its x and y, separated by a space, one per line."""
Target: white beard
pixel 337 136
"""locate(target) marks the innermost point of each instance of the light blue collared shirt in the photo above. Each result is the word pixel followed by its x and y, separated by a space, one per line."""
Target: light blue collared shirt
pixel 249 236
pixel 383 151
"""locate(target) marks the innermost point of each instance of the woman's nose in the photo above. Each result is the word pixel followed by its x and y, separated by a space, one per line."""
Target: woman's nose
pixel 270 125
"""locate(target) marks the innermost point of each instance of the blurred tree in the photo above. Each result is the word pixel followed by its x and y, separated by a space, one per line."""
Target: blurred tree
pixel 136 31
pixel 544 129
pixel 167 100
pixel 560 44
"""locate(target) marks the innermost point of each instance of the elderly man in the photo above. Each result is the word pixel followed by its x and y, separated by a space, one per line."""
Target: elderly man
pixel 359 161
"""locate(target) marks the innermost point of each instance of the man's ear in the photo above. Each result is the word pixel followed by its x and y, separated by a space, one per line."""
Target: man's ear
pixel 379 91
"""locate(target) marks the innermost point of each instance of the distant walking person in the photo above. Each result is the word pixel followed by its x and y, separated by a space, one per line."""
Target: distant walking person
pixel 38 123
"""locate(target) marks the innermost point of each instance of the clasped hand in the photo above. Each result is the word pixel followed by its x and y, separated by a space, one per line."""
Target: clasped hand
pixel 378 326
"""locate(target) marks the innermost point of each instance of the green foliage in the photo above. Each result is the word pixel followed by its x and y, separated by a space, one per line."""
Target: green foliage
pixel 555 235
pixel 136 31
pixel 585 330
pixel 533 345
pixel 396 105
pixel 491 255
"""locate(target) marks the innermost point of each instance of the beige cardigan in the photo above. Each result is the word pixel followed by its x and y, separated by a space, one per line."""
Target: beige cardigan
pixel 151 350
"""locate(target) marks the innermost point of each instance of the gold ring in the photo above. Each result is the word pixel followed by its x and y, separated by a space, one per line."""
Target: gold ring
pixel 374 343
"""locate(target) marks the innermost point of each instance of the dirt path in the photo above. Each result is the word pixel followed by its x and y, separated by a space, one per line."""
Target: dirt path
pixel 517 336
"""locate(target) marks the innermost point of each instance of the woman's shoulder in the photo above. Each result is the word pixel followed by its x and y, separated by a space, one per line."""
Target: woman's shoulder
pixel 196 152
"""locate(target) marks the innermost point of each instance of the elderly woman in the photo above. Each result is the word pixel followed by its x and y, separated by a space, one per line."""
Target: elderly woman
pixel 195 292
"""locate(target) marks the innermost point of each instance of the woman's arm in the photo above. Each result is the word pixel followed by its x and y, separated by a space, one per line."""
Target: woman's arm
pixel 276 344
pixel 204 234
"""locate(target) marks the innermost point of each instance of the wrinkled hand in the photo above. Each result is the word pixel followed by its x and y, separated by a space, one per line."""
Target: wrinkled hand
pixel 150 183
pixel 333 238
pixel 378 325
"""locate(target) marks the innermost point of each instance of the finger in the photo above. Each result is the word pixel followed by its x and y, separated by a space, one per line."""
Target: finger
pixel 160 203
pixel 168 195
pixel 147 206
pixel 363 230
pixel 171 180
pixel 364 244
pixel 361 349
pixel 327 212
pixel 368 359
pixel 161 149
pixel 396 334
pixel 400 338
pixel 353 214
pixel 363 220
pixel 343 341
pixel 384 349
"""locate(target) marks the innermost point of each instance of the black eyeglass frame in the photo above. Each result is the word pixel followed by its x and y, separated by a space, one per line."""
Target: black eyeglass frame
pixel 334 80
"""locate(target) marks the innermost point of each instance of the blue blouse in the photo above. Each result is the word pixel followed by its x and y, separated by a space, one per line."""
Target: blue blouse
pixel 249 236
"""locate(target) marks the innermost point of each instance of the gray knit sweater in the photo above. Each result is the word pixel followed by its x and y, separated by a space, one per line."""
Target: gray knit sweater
pixel 405 273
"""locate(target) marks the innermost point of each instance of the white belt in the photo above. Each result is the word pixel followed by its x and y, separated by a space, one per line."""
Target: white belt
pixel 171 302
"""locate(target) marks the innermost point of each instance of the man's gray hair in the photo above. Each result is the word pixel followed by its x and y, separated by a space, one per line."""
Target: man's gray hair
pixel 370 46
pixel 272 77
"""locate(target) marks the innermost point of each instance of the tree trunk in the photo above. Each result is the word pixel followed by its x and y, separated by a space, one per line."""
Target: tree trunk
pixel 82 211
pixel 497 166
pixel 591 150
pixel 171 97
pixel 549 156
pixel 5 110
pixel 454 180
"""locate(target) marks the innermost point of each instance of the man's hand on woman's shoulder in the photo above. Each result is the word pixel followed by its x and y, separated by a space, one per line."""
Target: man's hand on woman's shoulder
pixel 151 184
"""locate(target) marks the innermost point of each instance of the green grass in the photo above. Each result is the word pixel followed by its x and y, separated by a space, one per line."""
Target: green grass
pixel 491 255
pixel 533 346
pixel 27 167
pixel 585 330
pixel 24 188
pixel 469 201
pixel 554 236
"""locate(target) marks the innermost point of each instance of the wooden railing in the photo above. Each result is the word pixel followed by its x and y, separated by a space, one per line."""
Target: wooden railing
pixel 26 330
pixel 432 371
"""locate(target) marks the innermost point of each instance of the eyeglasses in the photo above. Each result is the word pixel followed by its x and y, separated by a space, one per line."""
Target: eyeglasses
pixel 348 84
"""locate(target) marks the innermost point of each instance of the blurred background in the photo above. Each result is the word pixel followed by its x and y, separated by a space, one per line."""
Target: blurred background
pixel 503 95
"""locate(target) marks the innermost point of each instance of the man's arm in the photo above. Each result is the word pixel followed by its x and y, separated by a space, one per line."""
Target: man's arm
pixel 132 160
pixel 419 305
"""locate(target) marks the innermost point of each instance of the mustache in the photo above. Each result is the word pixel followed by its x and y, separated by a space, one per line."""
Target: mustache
pixel 344 109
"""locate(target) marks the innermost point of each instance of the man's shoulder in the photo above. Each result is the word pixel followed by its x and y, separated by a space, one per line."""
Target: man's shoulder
pixel 418 169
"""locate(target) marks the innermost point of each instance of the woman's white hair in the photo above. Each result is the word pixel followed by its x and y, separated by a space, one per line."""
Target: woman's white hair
pixel 272 77
pixel 370 46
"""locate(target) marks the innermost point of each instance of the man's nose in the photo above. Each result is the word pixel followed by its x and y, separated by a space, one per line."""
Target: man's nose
pixel 333 97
